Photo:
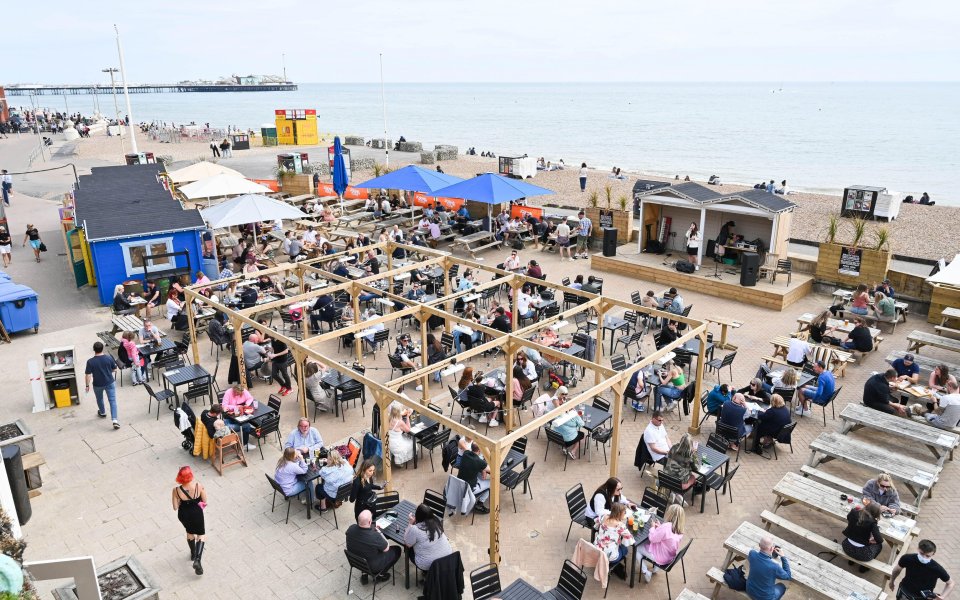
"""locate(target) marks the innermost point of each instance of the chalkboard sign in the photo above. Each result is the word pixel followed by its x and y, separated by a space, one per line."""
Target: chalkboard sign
pixel 850 259
pixel 606 218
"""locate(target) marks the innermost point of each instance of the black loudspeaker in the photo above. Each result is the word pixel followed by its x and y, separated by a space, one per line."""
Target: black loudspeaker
pixel 609 241
pixel 749 268
pixel 13 463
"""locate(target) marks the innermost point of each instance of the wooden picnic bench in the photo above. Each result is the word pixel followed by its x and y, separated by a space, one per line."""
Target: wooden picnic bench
pixel 126 323
pixel 949 313
pixel 109 339
pixel 917 476
pixel 835 358
pixel 939 441
pixel 690 595
pixel 807 570
pixel 902 308
pixel 793 488
pixel 803 323
pixel 849 487
pixel 926 364
pixel 724 323
pixel 918 339
pixel 485 238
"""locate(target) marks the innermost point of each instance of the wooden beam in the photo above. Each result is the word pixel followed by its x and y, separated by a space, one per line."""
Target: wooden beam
pixel 701 356
pixel 193 332
pixel 494 459
pixel 238 349
pixel 618 389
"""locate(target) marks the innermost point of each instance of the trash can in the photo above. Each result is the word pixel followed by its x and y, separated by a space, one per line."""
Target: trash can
pixel 241 141
pixel 61 393
pixel 13 463
pixel 18 307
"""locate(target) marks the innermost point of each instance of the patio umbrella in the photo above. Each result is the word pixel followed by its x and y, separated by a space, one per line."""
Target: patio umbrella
pixel 491 189
pixel 200 170
pixel 249 208
pixel 412 178
pixel 339 171
pixel 222 185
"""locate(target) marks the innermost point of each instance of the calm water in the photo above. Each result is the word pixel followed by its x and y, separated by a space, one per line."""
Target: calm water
pixel 819 137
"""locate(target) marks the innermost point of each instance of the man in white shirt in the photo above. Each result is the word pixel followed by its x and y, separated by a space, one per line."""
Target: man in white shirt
pixel 513 262
pixel 949 405
pixel 655 436
pixel 310 237
pixel 523 305
pixel 385 207
pixel 797 352
pixel 287 239
pixel 434 233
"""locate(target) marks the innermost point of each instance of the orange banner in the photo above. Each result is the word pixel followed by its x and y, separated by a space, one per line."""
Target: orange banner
pixel 270 183
pixel 451 204
pixel 522 212
pixel 351 193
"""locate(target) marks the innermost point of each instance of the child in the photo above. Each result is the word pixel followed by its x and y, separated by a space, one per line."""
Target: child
pixel 220 429
pixel 137 371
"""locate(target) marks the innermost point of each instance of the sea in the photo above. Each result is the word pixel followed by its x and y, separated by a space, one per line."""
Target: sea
pixel 820 137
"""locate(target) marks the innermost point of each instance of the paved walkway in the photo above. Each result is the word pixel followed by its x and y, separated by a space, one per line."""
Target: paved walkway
pixel 106 493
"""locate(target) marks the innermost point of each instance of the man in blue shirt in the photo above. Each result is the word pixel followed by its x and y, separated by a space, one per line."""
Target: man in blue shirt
pixel 821 394
pixel 765 571
pixel 906 368
pixel 100 372
pixel 717 396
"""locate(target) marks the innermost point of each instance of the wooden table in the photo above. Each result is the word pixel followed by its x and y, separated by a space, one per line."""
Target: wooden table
pixel 917 476
pixel 689 595
pixel 724 323
pixel 918 339
pixel 897 531
pixel 298 200
pixel 476 242
pixel 129 323
pixel 927 365
pixel 355 218
pixel 939 441
pixel 808 570
pixel 844 296
pixel 835 358
pixel 846 326
pixel 949 313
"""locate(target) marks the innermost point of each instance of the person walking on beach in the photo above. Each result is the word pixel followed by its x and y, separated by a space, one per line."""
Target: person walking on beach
pixel 583 177
pixel 189 500
pixel 6 184
pixel 33 236
pixel 583 235
pixel 693 244
pixel 5 243
pixel 101 371
pixel 225 148
pixel 215 149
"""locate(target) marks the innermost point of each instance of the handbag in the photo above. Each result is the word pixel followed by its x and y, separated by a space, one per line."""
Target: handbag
pixel 43 247
pixel 735 578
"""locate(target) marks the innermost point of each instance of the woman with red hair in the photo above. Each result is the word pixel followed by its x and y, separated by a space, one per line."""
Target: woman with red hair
pixel 189 500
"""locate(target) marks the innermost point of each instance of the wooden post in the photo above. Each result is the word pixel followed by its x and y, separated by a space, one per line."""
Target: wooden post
pixel 494 461
pixel 425 380
pixel 446 292
pixel 508 396
pixel 301 363
pixel 238 350
pixel 383 402
pixel 617 415
pixel 514 316
pixel 300 276
pixel 598 355
pixel 357 341
pixel 193 332
pixel 694 428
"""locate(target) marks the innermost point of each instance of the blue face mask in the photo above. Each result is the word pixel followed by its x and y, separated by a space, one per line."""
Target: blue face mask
pixel 924 559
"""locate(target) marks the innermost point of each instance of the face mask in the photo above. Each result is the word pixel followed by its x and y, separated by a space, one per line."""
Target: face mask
pixel 924 559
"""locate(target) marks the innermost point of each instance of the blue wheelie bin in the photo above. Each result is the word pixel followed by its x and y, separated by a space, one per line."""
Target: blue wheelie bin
pixel 18 307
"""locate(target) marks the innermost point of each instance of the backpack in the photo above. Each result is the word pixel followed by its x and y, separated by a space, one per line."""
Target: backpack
pixel 735 578
pixel 685 266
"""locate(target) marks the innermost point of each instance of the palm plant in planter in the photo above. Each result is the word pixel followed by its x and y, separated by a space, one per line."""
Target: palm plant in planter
pixel 882 237
pixel 833 226
pixel 593 199
pixel 623 201
pixel 859 230
pixel 609 193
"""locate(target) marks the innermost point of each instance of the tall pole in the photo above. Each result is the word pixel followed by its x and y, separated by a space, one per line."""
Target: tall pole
pixel 383 100
pixel 116 107
pixel 126 95
pixel 65 105
pixel 36 127
pixel 283 61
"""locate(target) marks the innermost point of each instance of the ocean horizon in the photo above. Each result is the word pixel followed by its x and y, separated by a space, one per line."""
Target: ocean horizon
pixel 820 137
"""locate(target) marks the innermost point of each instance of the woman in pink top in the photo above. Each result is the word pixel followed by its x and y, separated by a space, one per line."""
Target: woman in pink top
pixel 133 355
pixel 861 299
pixel 235 398
pixel 663 543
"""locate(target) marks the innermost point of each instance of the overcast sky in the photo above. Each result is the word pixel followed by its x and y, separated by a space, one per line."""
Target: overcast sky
pixel 488 40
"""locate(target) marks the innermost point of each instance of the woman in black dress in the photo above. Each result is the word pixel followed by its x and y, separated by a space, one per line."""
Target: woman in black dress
pixel 364 491
pixel 189 500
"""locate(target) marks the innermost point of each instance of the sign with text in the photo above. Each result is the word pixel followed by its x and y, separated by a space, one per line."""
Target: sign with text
pixel 351 193
pixel 850 259
pixel 606 218
pixel 451 204
pixel 522 212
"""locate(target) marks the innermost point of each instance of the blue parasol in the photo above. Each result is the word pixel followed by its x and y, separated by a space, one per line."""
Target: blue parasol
pixel 490 189
pixel 340 178
pixel 412 178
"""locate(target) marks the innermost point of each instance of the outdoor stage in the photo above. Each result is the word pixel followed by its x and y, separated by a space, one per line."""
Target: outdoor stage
pixel 651 268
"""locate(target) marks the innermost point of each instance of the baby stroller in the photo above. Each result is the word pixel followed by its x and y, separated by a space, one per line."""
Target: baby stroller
pixel 184 418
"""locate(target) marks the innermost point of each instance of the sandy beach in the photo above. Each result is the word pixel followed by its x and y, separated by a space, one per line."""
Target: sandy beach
pixel 910 232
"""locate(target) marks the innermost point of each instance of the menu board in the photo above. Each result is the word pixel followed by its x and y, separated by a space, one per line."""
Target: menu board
pixel 850 259
pixel 606 218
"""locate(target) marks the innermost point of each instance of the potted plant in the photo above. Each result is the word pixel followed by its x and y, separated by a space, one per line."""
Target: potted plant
pixel 833 225
pixel 609 193
pixel 623 201
pixel 859 229
pixel 593 199
pixel 882 237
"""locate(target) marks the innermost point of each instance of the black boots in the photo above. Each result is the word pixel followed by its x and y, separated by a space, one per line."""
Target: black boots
pixel 193 549
pixel 197 567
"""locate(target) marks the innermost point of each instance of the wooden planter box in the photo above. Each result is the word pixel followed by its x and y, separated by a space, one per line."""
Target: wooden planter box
pixel 297 184
pixel 873 266
pixel 622 222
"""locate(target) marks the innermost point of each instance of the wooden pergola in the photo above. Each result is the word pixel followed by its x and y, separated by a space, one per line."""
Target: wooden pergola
pixel 494 445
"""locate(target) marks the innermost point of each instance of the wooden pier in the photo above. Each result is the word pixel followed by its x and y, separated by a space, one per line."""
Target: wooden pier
pixel 86 90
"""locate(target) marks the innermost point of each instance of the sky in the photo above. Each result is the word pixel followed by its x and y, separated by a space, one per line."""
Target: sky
pixel 490 40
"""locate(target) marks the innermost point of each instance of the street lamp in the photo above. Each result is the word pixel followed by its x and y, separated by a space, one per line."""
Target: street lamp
pixel 116 107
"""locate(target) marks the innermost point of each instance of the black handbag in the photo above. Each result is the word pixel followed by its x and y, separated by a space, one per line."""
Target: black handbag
pixel 735 578
pixel 43 247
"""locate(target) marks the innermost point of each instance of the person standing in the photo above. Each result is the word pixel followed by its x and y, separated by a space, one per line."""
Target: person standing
pixel 33 236
pixel 5 246
pixel 6 184
pixel 583 177
pixel 922 573
pixel 100 372
pixel 693 244
pixel 189 500
pixel 215 149
pixel 584 229
pixel 764 572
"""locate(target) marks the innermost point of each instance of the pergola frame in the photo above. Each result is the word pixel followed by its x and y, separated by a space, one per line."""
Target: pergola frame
pixel 495 448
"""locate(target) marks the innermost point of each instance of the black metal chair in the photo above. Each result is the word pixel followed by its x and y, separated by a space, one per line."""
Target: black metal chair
pixel 703 408
pixel 601 403
pixel 787 394
pixel 718 443
pixel 555 438
pixel 459 399
pixel 436 502
pixel 291 325
pixel 277 489
pixel 348 395
pixel 511 479
pixel 430 441
pixel 630 339
pixel 397 365
pixel 719 364
pixel 198 389
pixel 732 436
pixel 525 400
pixel 161 396
pixel 269 424
pixel 601 437
pixel 359 563
pixel 669 566
pixel 343 495
pixel 571 584
pixel 274 401
pixel 583 322
pixel 485 582
pixel 520 445
pixel 784 436
pixel 671 483
pixel 385 502
pixel 618 362
pixel 717 482
pixel 577 508
pixel 652 500
pixel 830 403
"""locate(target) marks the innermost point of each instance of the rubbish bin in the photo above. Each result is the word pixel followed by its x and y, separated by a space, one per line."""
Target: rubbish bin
pixel 13 463
pixel 18 307
pixel 61 393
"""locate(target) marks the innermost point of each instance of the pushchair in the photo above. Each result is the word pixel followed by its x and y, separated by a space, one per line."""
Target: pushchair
pixel 184 418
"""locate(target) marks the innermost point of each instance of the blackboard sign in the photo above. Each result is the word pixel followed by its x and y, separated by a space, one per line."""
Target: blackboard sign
pixel 606 218
pixel 850 261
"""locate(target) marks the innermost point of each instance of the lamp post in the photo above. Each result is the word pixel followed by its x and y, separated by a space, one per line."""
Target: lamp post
pixel 116 107
pixel 126 95
pixel 383 100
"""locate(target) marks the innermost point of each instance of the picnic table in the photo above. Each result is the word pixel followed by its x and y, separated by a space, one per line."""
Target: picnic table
pixel 917 476
pixel 298 200
pixel 724 323
pixel 844 296
pixel 128 323
pixel 918 339
pixel 926 364
pixel 476 242
pixel 808 571
pixel 949 313
pixel 844 325
pixel 897 531
pixel 835 358
pixel 690 595
pixel 940 442
pixel 355 217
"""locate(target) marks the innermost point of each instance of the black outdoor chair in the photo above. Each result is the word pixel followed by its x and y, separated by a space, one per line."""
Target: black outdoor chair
pixel 277 489
pixel 555 438
pixel 269 424
pixel 830 403
pixel 348 395
pixel 430 441
pixel 160 397
pixel 732 436
pixel 719 364
pixel 652 500
pixel 571 583
pixel 669 566
pixel 577 508
pixel 703 408
pixel 511 479
pixel 485 582
pixel 436 502
pixel 359 563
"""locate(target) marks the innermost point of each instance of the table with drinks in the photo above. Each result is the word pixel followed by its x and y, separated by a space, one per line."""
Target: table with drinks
pixel 393 524
pixel 639 522
pixel 593 419
pixel 710 461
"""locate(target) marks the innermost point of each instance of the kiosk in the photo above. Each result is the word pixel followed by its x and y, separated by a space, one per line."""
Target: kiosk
pixel 868 202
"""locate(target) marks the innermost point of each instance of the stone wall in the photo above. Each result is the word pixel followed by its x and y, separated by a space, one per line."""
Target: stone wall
pixel 427 158
pixel 410 147
pixel 446 152
pixel 353 140
pixel 378 143
pixel 363 164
